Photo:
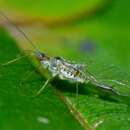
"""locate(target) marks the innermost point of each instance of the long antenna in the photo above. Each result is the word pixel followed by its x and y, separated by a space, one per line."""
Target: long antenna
pixel 21 31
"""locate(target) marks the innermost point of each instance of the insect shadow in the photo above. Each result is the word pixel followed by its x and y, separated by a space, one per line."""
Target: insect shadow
pixel 89 90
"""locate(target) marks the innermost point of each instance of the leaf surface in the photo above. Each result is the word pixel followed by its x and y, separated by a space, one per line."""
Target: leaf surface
pixel 105 39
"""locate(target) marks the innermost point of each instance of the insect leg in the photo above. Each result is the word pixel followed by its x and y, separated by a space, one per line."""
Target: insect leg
pixel 15 60
pixel 28 74
pixel 12 61
pixel 42 88
pixel 77 91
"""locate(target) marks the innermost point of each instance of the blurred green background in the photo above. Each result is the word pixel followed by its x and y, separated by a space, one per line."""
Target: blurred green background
pixel 93 32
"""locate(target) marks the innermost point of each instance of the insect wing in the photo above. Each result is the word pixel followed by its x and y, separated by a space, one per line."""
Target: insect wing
pixel 111 76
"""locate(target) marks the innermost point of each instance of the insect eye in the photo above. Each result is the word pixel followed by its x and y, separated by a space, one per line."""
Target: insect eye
pixel 39 54
pixel 43 55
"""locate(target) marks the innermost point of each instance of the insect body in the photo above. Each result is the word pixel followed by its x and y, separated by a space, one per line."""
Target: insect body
pixel 62 68
pixel 72 72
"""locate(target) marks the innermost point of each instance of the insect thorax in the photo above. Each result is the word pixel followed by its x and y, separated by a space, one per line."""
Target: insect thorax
pixel 65 70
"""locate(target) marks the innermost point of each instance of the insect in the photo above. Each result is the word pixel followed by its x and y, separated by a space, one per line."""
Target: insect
pixel 61 68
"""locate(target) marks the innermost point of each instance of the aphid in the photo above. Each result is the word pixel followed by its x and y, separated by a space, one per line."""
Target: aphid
pixel 65 70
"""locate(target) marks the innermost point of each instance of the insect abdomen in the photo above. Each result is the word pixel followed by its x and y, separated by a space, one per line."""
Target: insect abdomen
pixel 72 74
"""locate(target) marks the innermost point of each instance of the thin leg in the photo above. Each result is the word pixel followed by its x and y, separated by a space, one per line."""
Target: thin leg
pixel 29 74
pixel 77 91
pixel 42 88
pixel 14 60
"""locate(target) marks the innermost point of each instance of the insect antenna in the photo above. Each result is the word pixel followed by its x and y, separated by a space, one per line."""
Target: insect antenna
pixel 36 52
pixel 20 30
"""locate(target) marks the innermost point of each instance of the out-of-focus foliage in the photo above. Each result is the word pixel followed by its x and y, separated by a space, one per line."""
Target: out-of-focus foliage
pixel 52 12
pixel 49 8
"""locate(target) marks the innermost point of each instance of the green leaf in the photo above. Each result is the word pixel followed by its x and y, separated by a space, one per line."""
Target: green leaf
pixel 18 110
pixel 108 33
